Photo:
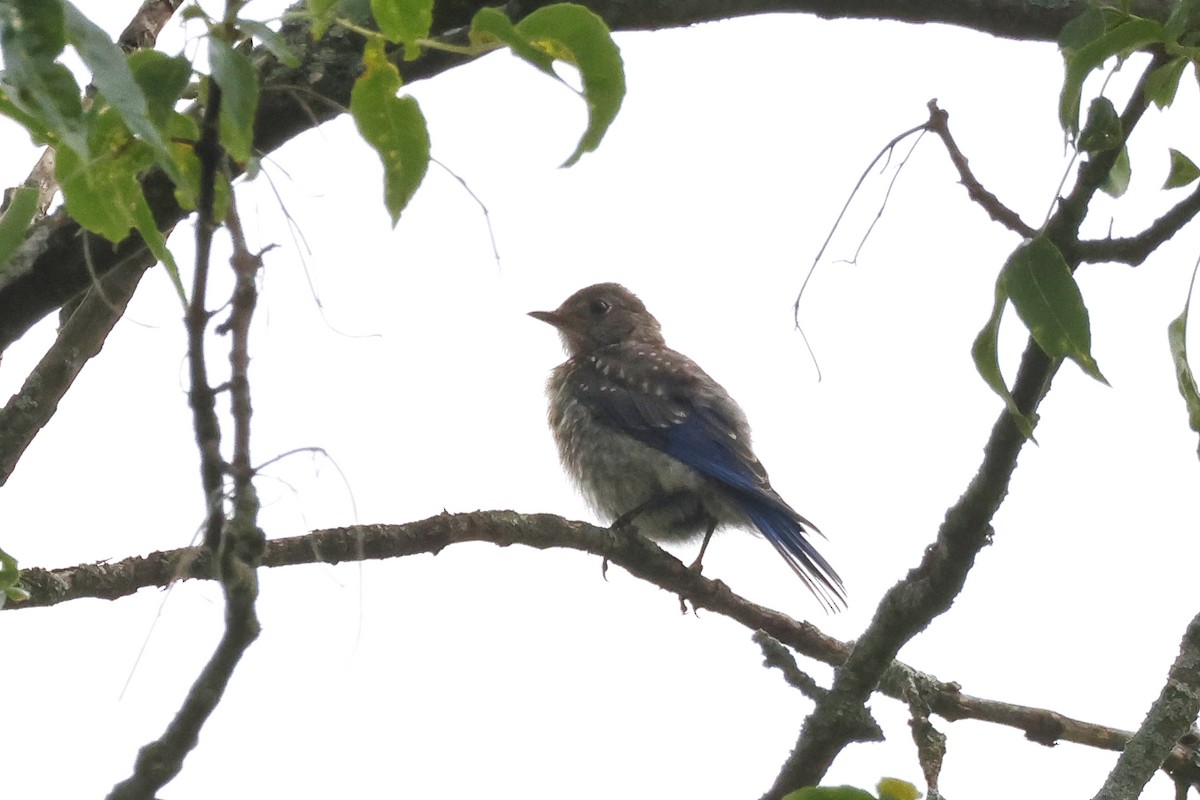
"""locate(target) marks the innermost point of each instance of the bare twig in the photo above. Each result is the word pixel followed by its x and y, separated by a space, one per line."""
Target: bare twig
pixel 887 195
pixel 776 656
pixel 930 742
pixel 487 217
pixel 201 395
pixel 885 152
pixel 1133 250
pixel 939 123
pixel 245 297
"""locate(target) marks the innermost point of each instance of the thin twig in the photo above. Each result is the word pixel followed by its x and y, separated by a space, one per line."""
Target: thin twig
pixel 930 742
pixel 887 195
pixel 885 151
pixel 1134 250
pixel 939 123
pixel 245 297
pixel 201 395
pixel 487 217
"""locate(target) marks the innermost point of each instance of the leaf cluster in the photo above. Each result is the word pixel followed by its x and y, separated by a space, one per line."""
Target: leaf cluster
pixel 1038 279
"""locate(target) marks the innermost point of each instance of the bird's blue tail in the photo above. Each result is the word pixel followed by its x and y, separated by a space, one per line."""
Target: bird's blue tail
pixel 785 529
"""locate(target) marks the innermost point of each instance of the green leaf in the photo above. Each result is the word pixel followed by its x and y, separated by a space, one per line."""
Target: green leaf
pixel 234 73
pixel 985 353
pixel 156 243
pixel 114 79
pixel 163 80
pixel 491 26
pixel 1184 377
pixel 393 125
pixel 326 12
pixel 100 194
pixel 1084 29
pixel 896 789
pixel 38 25
pixel 1183 20
pixel 1135 34
pixel 272 40
pixel 322 13
pixel 104 194
pixel 1041 287
pixel 576 35
pixel 1102 131
pixel 10 580
pixel 1183 171
pixel 1117 180
pixel 404 21
pixel 1162 83
pixel 21 209
pixel 35 126
pixel 32 35
pixel 828 793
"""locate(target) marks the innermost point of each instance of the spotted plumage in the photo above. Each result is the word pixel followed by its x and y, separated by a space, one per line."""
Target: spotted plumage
pixel 646 433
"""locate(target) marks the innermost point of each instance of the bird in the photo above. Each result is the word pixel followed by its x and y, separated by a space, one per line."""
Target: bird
pixel 652 441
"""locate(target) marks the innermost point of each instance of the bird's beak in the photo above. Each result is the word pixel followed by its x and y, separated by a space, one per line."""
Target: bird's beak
pixel 549 317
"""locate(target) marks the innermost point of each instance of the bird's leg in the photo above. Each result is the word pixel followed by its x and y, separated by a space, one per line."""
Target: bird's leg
pixel 656 501
pixel 696 565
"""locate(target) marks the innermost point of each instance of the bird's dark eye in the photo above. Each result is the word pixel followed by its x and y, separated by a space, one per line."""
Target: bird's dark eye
pixel 599 307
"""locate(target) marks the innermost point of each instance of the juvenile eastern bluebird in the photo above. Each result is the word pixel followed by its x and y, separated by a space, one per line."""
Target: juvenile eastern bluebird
pixel 647 434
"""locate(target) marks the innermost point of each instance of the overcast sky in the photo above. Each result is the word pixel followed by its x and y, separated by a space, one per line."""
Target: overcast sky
pixel 406 354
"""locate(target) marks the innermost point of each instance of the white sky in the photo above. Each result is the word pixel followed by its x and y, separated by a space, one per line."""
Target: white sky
pixel 519 673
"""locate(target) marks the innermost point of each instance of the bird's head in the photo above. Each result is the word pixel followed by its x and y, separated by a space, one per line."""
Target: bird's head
pixel 602 315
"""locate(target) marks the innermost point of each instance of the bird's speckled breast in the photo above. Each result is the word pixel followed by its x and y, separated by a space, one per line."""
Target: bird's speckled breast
pixel 617 473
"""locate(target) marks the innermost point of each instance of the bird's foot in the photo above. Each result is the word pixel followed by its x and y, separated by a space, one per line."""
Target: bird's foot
pixel 624 523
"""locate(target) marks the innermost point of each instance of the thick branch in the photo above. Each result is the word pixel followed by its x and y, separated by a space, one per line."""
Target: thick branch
pixel 925 592
pixel 928 590
pixel 1169 719
pixel 79 339
pixel 51 268
pixel 113 580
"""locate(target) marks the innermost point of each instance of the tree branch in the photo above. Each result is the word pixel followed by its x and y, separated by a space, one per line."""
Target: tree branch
pixel 1133 250
pixel 50 267
pixel 234 538
pixel 1169 719
pixel 79 340
pixel 201 396
pixel 640 557
pixel 928 590
pixel 939 123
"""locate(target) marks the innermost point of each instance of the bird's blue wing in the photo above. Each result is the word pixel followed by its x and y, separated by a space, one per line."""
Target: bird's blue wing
pixel 664 400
